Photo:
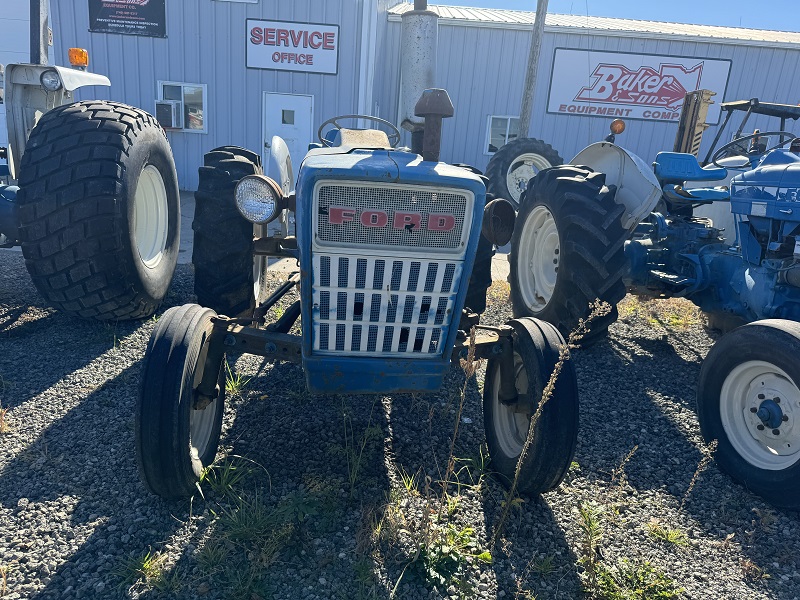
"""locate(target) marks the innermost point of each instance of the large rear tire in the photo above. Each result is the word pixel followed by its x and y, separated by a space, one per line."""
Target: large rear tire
pixel 515 164
pixel 227 277
pixel 748 399
pixel 175 442
pixel 568 250
pixel 99 210
pixel 536 352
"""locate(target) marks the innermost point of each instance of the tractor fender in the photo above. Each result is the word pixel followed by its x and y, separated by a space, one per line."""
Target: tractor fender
pixel 279 167
pixel 26 101
pixel 637 187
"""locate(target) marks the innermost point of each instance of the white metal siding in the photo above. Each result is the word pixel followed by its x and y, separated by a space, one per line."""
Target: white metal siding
pixel 14 44
pixel 483 69
pixel 205 44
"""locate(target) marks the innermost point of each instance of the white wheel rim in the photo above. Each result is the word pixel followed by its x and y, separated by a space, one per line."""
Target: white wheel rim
pixel 522 170
pixel 150 217
pixel 756 385
pixel 538 254
pixel 510 427
pixel 201 425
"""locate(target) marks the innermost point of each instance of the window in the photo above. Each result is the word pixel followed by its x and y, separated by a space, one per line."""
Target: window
pixel 189 99
pixel 500 131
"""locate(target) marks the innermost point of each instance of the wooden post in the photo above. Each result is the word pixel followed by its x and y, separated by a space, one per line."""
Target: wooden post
pixel 530 75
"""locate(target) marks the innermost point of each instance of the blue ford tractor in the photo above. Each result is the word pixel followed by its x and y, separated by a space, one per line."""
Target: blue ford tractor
pixel 386 240
pixel 608 223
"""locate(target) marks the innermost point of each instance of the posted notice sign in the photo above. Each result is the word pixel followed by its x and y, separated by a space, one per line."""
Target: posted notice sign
pixel 287 46
pixel 130 17
pixel 632 86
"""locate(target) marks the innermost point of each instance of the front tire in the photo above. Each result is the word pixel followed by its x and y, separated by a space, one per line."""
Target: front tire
pixel 175 442
pixel 748 400
pixel 99 210
pixel 227 277
pixel 515 164
pixel 568 250
pixel 536 353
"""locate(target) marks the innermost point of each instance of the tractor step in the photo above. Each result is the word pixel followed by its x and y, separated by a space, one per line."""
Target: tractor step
pixel 672 278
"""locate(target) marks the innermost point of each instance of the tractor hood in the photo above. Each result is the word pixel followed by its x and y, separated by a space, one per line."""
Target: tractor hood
pixel 765 190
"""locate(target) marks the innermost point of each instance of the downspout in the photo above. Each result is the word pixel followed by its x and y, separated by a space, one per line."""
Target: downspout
pixel 366 80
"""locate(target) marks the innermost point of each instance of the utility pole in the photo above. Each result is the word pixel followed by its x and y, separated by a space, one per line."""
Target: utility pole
pixel 40 32
pixel 530 75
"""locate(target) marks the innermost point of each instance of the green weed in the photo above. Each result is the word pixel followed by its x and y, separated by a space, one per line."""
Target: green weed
pixel 667 535
pixel 635 581
pixel 234 382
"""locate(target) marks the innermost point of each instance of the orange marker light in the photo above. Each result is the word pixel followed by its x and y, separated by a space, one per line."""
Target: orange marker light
pixel 617 126
pixel 78 57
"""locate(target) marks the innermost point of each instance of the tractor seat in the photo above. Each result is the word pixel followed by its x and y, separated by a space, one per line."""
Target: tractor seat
pixel 677 167
pixel 676 193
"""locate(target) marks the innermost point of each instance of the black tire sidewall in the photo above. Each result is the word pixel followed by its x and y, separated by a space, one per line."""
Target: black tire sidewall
pixel 773 341
pixel 152 148
pixel 501 161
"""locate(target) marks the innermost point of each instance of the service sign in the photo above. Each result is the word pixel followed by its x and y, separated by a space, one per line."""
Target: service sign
pixel 287 46
pixel 129 17
pixel 632 86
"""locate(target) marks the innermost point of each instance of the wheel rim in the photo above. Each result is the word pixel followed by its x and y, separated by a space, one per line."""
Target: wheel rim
pixel 521 171
pixel 537 260
pixel 201 427
pixel 510 427
pixel 762 386
pixel 150 217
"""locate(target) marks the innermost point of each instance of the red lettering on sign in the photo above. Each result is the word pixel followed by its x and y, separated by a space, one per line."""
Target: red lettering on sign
pixel 269 37
pixel 317 35
pixel 407 220
pixel 328 41
pixel 256 35
pixel 282 38
pixel 297 37
pixel 339 215
pixel 441 222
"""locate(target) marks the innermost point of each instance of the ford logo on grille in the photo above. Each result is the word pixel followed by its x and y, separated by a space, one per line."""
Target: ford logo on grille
pixel 399 219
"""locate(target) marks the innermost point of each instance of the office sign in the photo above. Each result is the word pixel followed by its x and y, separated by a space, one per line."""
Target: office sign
pixel 129 17
pixel 287 46
pixel 632 86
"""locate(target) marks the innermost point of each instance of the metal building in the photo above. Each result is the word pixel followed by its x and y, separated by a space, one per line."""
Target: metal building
pixel 237 72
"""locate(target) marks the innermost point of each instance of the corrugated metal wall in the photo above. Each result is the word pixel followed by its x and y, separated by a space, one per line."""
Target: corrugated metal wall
pixel 205 44
pixel 483 69
pixel 14 44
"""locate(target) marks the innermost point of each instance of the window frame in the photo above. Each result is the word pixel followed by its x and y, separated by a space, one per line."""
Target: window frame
pixel 488 138
pixel 183 85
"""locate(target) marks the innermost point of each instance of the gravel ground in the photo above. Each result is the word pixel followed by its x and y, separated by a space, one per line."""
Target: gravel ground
pixel 321 480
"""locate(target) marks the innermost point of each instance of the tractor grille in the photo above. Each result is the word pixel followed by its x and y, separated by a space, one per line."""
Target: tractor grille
pixel 440 212
pixel 382 306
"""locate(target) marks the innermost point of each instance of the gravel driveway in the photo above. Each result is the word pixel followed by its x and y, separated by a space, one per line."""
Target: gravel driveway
pixel 338 488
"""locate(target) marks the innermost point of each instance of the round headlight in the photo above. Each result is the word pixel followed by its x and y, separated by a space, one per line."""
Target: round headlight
pixel 258 198
pixel 51 80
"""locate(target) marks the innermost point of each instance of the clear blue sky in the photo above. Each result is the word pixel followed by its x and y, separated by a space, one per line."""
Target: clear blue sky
pixel 782 15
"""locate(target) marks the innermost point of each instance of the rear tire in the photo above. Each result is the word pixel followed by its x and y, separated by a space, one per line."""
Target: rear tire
pixel 175 442
pixel 515 164
pixel 536 352
pixel 99 210
pixel 568 250
pixel 746 371
pixel 227 277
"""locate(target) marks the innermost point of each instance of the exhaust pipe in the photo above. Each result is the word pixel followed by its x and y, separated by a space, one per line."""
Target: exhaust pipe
pixel 419 41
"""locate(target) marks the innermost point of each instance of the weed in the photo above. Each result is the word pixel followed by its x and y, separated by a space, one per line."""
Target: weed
pixel 296 508
pixel 618 474
pixel 631 581
pixel 598 309
pixel 666 534
pixel 146 571
pixel 672 313
pixel 752 571
pixel 248 519
pixel 591 526
pixel 223 478
pixel 410 482
pixel 542 565
pixel 3 580
pixel 353 450
pixel 212 556
pixel 444 559
pixel 708 456
pixel 234 382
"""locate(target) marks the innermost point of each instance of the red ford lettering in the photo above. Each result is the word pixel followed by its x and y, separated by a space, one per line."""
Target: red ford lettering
pixel 407 220
pixel 374 218
pixel 441 222
pixel 339 215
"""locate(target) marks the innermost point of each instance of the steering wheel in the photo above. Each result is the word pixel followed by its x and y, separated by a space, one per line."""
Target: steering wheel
pixel 394 134
pixel 785 137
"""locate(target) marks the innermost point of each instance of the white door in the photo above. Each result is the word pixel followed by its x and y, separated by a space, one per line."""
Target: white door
pixel 290 116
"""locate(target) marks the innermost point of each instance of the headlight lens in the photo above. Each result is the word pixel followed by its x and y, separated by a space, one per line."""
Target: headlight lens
pixel 51 80
pixel 258 198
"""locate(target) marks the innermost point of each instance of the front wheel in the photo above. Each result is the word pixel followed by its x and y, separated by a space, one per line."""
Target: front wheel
pixel 515 164
pixel 175 441
pixel 536 352
pixel 568 250
pixel 748 400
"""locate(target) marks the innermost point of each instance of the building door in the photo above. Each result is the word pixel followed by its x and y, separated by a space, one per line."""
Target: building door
pixel 290 116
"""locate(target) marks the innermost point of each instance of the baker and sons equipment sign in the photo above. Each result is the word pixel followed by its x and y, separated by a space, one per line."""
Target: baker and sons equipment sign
pixel 632 86
pixel 130 17
pixel 287 46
